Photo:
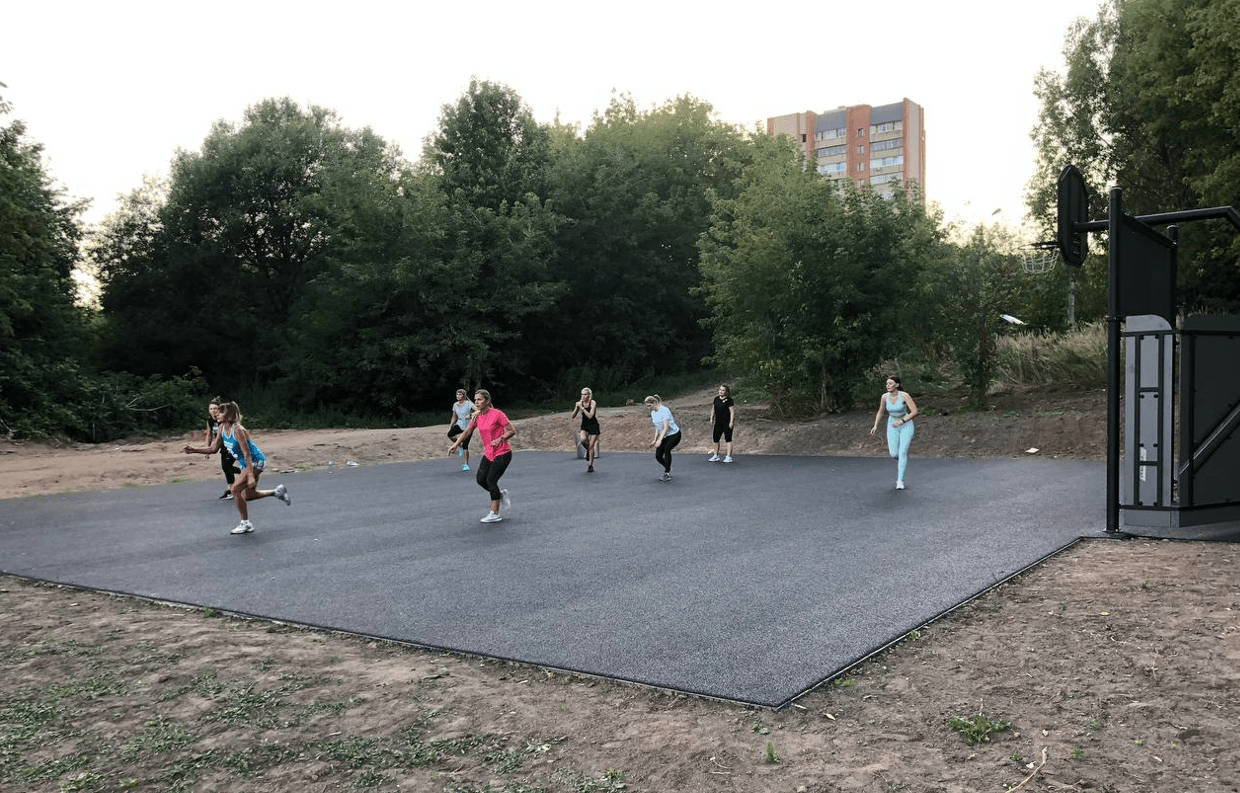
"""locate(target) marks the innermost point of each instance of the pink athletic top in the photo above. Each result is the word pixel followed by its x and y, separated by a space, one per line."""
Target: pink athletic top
pixel 490 425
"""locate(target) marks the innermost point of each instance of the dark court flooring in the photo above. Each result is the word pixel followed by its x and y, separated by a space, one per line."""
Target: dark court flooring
pixel 752 582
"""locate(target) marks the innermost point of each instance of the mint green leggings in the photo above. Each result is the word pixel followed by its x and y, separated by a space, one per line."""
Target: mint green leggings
pixel 898 440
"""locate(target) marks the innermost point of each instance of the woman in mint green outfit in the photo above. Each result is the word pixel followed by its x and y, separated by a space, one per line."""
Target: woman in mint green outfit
pixel 900 410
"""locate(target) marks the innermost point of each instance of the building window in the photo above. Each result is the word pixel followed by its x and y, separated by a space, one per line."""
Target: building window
pixel 886 162
pixel 832 168
pixel 886 126
pixel 860 132
pixel 861 148
pixel 831 134
pixel 832 151
pixel 883 145
pixel 860 166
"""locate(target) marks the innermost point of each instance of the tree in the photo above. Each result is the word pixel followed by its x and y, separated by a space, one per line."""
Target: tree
pixel 967 291
pixel 634 189
pixel 489 159
pixel 215 276
pixel 42 334
pixel 1150 101
pixel 808 280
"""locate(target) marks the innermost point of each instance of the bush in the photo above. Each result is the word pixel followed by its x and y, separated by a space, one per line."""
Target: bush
pixel 1077 357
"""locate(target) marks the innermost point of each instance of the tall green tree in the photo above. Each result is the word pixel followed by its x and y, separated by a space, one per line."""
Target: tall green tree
pixel 1149 100
pixel 373 332
pixel 635 189
pixel 42 335
pixel 809 280
pixel 489 159
pixel 966 291
pixel 214 278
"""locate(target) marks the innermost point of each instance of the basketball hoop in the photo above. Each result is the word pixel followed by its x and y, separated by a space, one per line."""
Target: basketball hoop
pixel 1040 257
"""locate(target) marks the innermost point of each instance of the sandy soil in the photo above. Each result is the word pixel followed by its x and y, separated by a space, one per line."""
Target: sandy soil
pixel 1116 663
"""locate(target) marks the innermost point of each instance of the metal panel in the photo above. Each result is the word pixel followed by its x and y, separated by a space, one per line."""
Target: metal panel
pixel 1210 412
pixel 1147 466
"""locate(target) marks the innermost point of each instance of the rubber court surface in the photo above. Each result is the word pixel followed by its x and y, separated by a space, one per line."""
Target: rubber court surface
pixel 752 582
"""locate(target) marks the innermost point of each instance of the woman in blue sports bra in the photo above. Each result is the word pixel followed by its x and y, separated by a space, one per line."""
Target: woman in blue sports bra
pixel 236 439
pixel 900 409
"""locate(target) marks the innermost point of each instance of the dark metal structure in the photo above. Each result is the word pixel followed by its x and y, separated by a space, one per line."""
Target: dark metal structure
pixel 1147 483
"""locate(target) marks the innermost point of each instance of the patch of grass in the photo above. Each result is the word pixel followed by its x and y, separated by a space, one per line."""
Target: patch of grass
pixel 771 757
pixel 158 737
pixel 977 729
pixel 56 767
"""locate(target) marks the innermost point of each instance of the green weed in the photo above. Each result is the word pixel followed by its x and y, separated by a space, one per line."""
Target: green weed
pixel 771 757
pixel 977 729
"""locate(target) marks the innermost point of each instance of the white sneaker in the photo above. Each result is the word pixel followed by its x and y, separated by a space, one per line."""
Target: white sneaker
pixel 667 476
pixel 728 459
pixel 282 494
pixel 899 484
pixel 244 527
pixel 492 517
pixel 465 466
pixel 714 458
pixel 506 501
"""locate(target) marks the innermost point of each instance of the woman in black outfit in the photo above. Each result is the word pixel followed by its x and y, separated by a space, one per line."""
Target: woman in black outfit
pixel 227 462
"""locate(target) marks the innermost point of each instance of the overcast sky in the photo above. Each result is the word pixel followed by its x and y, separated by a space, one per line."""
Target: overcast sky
pixel 113 89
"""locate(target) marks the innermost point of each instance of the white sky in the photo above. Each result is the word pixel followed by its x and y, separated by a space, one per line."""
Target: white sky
pixel 112 89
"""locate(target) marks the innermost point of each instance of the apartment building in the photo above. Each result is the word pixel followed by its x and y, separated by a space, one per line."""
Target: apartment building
pixel 879 146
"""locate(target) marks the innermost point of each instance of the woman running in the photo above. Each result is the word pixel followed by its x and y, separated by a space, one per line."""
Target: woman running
pixel 496 431
pixel 236 439
pixel 666 434
pixel 462 410
pixel 588 409
pixel 900 409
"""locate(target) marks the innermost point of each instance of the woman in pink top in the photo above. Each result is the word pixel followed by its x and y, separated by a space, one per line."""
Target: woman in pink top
pixel 495 430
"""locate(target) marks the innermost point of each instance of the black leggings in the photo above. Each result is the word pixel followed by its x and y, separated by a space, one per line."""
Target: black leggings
pixel 489 473
pixel 227 462
pixel 664 453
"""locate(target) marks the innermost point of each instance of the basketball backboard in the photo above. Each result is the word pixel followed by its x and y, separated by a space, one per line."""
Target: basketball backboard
pixel 1072 208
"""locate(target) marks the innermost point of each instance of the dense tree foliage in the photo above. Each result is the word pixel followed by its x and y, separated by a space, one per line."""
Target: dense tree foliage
pixel 809 281
pixel 40 328
pixel 1149 100
pixel 489 160
pixel 49 383
pixel 309 269
pixel 965 292
pixel 634 189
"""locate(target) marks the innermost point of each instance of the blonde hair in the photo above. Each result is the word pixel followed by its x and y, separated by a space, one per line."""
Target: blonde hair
pixel 587 391
pixel 485 394
pixel 230 413
pixel 653 399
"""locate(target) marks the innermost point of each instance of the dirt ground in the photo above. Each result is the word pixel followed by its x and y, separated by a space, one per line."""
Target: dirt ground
pixel 1115 665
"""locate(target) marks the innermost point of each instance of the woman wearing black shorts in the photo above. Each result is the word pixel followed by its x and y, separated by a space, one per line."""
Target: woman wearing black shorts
pixel 588 409
pixel 723 420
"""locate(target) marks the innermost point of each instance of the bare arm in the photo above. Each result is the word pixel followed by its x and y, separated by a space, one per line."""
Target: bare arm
pixel 211 448
pixel 912 408
pixel 879 415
